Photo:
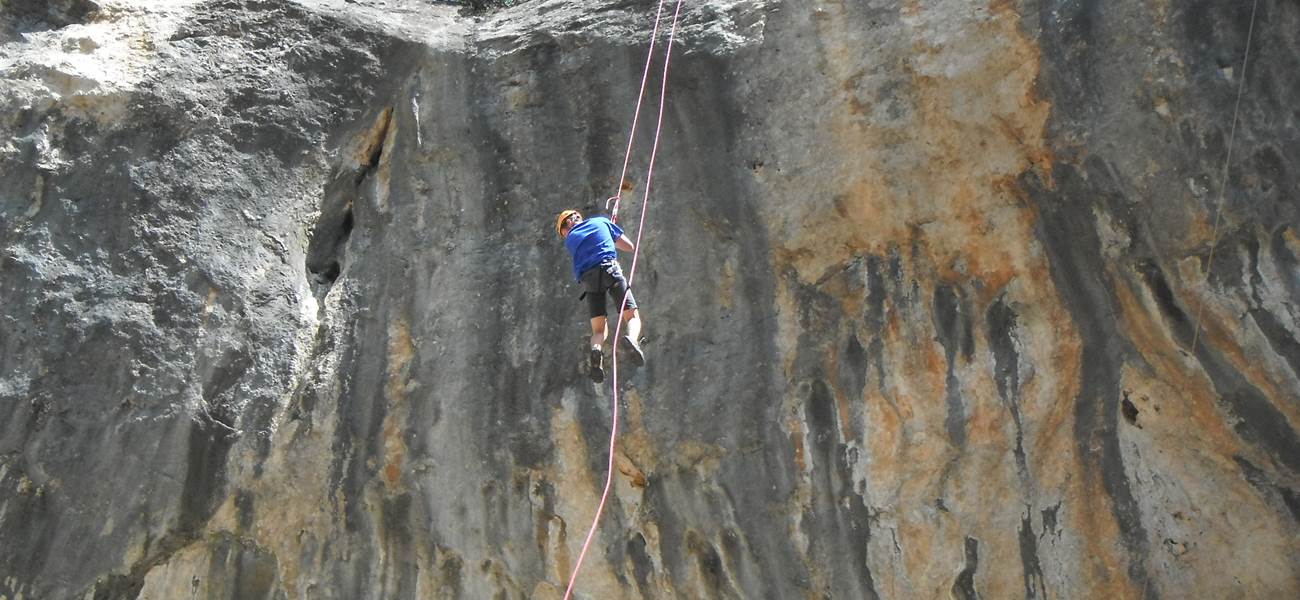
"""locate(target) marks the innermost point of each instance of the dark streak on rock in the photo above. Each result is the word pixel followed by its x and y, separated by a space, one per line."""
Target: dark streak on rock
pixel 399 547
pixel 874 306
pixel 874 314
pixel 544 491
pixel 642 565
pixel 1268 485
pixel 43 515
pixel 451 569
pixel 1080 72
pixel 839 511
pixel 717 90
pixel 964 587
pixel 244 512
pixel 709 565
pixel 508 422
pixel 1291 498
pixel 735 558
pixel 852 370
pixel 1278 336
pixel 241 569
pixel 1006 373
pixel 1288 264
pixel 205 478
pixel 1049 520
pixel 1258 421
pixel 1035 586
pixel 952 323
pixel 1074 252
pixel 1274 330
pixel 354 439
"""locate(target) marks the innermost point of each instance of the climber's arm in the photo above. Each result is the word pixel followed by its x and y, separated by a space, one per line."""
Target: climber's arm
pixel 624 244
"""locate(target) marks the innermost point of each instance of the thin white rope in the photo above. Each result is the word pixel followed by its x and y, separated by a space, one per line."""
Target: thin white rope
pixel 1223 181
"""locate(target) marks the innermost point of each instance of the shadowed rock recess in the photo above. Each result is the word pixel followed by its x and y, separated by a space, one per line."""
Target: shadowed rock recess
pixel 283 314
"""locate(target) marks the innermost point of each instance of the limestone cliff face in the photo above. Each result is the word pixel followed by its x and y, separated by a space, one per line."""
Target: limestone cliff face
pixel 283 313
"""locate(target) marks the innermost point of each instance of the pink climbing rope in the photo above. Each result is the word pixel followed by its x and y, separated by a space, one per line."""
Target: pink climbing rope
pixel 636 117
pixel 636 251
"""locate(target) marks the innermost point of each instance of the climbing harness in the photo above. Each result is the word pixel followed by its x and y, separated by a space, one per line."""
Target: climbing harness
pixel 1223 182
pixel 636 251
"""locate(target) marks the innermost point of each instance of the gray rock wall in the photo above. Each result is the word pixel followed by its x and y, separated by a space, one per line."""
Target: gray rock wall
pixel 285 316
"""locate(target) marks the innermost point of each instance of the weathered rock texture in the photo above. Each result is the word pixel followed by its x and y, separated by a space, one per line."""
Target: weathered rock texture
pixel 284 315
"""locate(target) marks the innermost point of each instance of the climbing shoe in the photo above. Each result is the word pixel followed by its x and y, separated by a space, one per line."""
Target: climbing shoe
pixel 633 350
pixel 594 370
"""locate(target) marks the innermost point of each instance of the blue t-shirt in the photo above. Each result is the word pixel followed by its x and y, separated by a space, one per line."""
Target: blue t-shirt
pixel 591 242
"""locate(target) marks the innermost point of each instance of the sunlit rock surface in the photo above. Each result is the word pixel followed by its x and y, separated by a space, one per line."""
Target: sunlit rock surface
pixel 283 315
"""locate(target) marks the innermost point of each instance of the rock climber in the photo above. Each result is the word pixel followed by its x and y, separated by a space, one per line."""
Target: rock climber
pixel 594 243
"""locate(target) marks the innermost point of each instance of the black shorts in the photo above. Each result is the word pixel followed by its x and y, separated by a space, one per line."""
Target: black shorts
pixel 602 278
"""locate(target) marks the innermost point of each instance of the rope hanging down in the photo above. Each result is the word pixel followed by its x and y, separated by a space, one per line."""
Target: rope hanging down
pixel 631 276
pixel 1223 182
pixel 612 203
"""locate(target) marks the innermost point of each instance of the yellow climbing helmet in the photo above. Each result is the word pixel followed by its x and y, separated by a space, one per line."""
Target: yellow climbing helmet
pixel 564 216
